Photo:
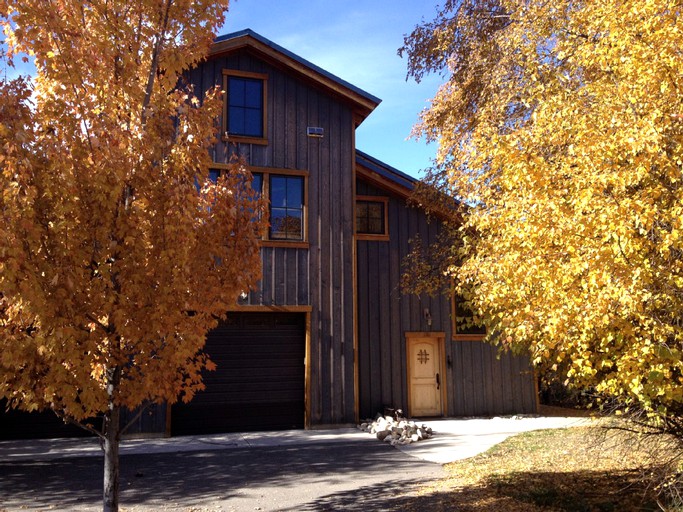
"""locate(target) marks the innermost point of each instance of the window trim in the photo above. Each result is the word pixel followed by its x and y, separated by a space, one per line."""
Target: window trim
pixel 371 236
pixel 265 173
pixel 225 136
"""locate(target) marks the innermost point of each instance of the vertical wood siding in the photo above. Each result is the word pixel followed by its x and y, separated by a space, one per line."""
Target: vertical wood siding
pixel 322 275
pixel 479 381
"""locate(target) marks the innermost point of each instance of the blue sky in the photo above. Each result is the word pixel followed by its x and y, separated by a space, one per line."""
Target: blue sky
pixel 356 41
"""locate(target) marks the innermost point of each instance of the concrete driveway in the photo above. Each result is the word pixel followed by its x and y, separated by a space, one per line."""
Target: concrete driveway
pixel 340 469
pixel 357 475
pixel 456 439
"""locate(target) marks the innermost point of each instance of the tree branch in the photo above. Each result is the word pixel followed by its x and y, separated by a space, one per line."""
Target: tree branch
pixel 154 66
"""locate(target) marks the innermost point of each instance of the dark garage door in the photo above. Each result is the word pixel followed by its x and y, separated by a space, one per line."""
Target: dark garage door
pixel 15 424
pixel 259 380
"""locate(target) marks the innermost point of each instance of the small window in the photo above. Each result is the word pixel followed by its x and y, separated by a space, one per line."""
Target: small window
pixel 464 326
pixel 245 106
pixel 286 207
pixel 371 218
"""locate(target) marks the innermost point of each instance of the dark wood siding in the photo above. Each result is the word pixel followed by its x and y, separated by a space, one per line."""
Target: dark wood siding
pixel 321 275
pixel 485 384
pixel 384 313
pixel 479 381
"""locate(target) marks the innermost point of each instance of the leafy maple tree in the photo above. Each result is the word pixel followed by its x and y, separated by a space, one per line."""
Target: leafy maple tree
pixel 118 252
pixel 560 126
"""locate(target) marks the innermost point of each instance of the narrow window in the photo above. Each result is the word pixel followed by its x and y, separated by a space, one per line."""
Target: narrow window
pixel 214 174
pixel 257 182
pixel 286 207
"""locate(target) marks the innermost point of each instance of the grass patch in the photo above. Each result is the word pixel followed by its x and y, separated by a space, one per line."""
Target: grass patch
pixel 582 469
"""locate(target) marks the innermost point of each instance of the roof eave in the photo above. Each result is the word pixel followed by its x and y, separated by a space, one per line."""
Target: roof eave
pixel 363 102
pixel 384 176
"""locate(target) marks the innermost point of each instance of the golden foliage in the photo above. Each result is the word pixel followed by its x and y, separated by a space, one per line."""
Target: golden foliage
pixel 560 125
pixel 118 251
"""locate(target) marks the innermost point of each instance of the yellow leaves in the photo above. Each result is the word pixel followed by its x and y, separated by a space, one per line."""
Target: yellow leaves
pixel 569 149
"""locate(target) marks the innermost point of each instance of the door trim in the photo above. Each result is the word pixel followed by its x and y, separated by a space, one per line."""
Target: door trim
pixel 441 341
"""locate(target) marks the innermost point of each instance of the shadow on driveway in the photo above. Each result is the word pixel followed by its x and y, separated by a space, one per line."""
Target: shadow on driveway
pixel 309 477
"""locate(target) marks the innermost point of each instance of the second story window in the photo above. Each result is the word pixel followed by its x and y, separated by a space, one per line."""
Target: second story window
pixel 286 207
pixel 245 106
pixel 286 192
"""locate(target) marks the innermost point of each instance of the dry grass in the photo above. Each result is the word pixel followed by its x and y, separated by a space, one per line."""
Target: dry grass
pixel 581 469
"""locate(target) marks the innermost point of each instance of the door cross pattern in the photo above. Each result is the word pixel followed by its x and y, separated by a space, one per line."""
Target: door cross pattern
pixel 423 356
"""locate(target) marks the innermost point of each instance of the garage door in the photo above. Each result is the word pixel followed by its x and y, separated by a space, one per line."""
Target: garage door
pixel 15 424
pixel 259 380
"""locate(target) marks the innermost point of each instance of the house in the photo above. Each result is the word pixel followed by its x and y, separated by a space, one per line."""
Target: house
pixel 328 337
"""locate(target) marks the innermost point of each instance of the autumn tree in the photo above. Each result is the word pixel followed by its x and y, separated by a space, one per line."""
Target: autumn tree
pixel 118 252
pixel 560 131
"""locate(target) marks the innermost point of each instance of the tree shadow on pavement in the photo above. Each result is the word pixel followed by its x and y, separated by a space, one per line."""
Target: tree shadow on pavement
pixel 389 496
pixel 215 477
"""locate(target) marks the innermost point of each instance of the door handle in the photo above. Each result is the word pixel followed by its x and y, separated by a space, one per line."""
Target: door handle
pixel 438 382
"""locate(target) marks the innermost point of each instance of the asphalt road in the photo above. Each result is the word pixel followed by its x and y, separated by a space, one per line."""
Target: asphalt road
pixel 350 477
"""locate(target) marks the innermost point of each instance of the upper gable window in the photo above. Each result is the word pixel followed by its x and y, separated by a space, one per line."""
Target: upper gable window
pixel 244 112
pixel 371 218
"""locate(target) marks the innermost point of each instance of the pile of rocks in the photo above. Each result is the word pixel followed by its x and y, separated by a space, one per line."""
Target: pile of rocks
pixel 396 431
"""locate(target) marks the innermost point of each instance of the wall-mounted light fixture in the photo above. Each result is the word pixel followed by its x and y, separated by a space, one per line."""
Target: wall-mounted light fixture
pixel 428 317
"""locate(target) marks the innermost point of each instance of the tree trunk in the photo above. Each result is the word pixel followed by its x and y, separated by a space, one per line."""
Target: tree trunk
pixel 112 436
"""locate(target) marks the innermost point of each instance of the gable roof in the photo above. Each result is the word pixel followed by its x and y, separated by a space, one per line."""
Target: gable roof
pixel 363 103
pixel 383 175
pixel 391 179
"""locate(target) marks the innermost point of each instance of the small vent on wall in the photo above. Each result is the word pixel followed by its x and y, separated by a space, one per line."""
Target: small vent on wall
pixel 315 131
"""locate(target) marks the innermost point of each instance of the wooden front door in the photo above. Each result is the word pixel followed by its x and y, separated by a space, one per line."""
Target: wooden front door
pixel 425 375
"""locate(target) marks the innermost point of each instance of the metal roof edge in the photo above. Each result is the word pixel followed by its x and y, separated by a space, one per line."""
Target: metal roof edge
pixel 385 170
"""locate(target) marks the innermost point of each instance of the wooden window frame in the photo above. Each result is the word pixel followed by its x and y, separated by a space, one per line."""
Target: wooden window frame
pixel 227 73
pixel 454 324
pixel 371 236
pixel 265 173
